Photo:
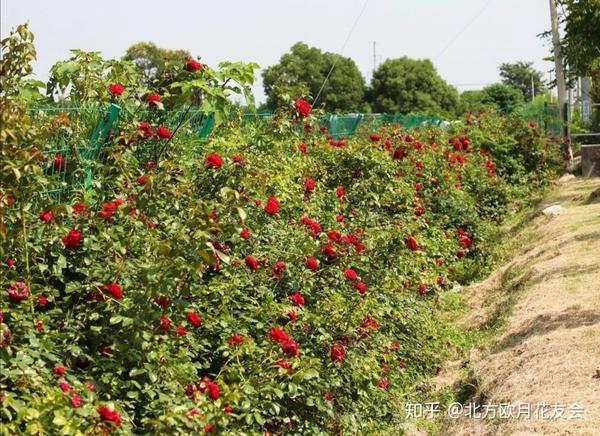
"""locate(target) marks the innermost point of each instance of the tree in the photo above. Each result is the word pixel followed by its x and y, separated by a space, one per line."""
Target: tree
pixel 472 101
pixel 520 76
pixel 410 85
pixel 581 43
pixel 505 97
pixel 154 61
pixel 302 72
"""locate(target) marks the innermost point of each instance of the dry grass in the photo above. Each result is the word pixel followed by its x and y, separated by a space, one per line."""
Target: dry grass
pixel 546 301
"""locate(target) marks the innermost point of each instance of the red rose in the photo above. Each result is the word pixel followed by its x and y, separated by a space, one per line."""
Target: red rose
pixel 278 335
pixel 272 206
pixel 42 300
pixel 383 383
pixel 165 323
pixel 237 159
pixel 208 428
pixel 290 348
pixel 193 318
pixel 46 216
pixel 329 250
pixel 419 211
pixel 72 240
pixel 75 400
pixel 411 243
pixel 350 274
pixel 252 262
pixel 339 191
pixel 302 107
pixel 278 268
pixel 245 234
pixel 18 292
pixel 213 390
pixel 309 185
pixel 361 287
pixel 213 160
pixel 153 99
pixel 90 386
pixel 163 132
pixel 422 288
pixel 180 330
pixel 235 340
pixel 60 163
pixel 460 253
pixel 10 262
pixel 283 364
pixel 192 65
pixel 65 387
pixel 302 148
pixel 116 89
pixel 292 315
pixel 142 180
pixel 297 299
pixel 227 409
pixel 59 370
pixel 337 352
pixel 327 396
pixel 79 208
pixel 110 415
pixel 114 290
pixel 373 137
pixel 312 263
pixel 145 129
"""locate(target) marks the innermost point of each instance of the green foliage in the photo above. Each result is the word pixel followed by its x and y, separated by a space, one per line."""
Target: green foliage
pixel 520 75
pixel 410 85
pixel 154 62
pixel 581 40
pixel 504 97
pixel 97 332
pixel 16 54
pixel 302 72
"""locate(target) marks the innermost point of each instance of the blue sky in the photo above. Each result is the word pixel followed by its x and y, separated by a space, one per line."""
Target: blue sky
pixel 477 35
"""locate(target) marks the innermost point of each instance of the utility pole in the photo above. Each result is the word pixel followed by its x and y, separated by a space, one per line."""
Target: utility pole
pixel 374 56
pixel 560 80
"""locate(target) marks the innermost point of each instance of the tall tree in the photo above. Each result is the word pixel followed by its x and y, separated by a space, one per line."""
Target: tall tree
pixel 154 61
pixel 411 85
pixel 581 43
pixel 303 71
pixel 522 76
pixel 506 98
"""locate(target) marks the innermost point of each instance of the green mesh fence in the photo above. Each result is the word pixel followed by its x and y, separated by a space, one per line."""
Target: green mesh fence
pixel 77 135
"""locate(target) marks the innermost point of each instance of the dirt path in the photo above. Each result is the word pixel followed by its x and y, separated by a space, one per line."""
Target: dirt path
pixel 546 303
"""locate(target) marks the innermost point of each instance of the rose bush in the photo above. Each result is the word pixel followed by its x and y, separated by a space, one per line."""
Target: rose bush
pixel 246 285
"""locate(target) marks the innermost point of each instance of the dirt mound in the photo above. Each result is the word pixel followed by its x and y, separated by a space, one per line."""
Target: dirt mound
pixel 547 300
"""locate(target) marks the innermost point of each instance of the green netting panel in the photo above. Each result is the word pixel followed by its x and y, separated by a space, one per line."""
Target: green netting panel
pixel 74 144
pixel 341 125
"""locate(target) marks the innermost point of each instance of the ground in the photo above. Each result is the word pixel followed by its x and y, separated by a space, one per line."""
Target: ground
pixel 543 311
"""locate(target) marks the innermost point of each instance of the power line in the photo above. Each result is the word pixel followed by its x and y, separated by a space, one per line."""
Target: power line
pixel 341 51
pixel 465 27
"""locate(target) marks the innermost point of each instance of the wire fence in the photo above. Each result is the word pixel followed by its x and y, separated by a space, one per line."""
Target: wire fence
pixel 72 163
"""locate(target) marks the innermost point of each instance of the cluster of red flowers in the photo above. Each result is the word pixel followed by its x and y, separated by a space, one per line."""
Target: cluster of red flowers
pixel 289 347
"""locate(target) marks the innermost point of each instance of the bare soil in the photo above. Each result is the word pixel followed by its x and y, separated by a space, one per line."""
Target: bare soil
pixel 545 305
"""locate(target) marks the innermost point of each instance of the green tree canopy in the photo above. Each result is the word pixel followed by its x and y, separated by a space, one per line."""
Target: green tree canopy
pixel 505 97
pixel 410 85
pixel 154 61
pixel 519 75
pixel 581 40
pixel 302 71
pixel 472 100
